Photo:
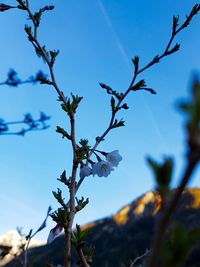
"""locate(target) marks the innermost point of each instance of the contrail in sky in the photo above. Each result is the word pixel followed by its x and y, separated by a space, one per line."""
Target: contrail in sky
pixel 127 61
pixel 119 44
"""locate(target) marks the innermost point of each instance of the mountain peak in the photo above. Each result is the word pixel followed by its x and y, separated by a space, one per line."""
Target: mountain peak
pixel 12 242
pixel 128 233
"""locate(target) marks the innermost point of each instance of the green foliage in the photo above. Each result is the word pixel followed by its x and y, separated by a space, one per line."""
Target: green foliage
pixel 59 198
pixel 22 4
pixel 37 16
pixel 155 60
pixel 62 132
pixel 63 179
pixel 81 203
pixel 80 236
pixel 173 49
pixel 53 55
pixel 28 30
pixel 116 244
pixel 195 10
pixel 41 53
pixel 175 251
pixel 82 152
pixel 175 23
pixel 139 85
pixel 162 173
pixel 135 61
pixel 71 104
pixel 60 216
pixel 191 108
pixel 90 253
pixel 117 123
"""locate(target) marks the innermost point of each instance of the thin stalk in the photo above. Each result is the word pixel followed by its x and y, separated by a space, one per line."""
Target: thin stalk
pixel 68 230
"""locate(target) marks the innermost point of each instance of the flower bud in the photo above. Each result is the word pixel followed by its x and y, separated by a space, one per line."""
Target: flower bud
pixel 54 233
pixel 4 7
pixel 85 171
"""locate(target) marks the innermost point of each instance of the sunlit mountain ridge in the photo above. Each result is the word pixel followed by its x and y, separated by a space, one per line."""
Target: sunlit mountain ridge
pixel 128 233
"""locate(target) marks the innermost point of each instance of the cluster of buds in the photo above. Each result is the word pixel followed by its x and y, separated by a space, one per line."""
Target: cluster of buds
pixel 102 168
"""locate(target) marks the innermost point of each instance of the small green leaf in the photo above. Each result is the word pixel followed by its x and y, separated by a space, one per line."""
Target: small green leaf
pixel 191 108
pixel 59 198
pixel 82 152
pixel 175 23
pixel 81 203
pixel 138 85
pixel 90 253
pixel 135 61
pixel 44 80
pixel 174 49
pixel 53 55
pixel 80 236
pixel 37 17
pixel 162 173
pixel 63 178
pixel 63 132
pixel 60 216
pixel 118 123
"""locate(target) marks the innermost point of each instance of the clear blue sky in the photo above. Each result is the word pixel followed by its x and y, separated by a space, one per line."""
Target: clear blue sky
pixel 97 40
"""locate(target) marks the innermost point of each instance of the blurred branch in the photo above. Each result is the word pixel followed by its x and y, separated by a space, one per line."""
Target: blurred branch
pixel 29 123
pixel 191 107
pixel 13 80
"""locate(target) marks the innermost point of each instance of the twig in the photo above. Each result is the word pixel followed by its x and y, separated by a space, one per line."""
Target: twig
pixel 156 59
pixel 139 257
pixel 32 125
pixel 73 186
pixel 68 227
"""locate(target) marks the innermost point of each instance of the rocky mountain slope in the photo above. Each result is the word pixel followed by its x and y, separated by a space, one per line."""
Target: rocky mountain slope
pixel 127 234
pixel 11 242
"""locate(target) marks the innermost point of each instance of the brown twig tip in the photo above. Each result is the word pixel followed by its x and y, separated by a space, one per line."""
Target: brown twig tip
pixel 4 7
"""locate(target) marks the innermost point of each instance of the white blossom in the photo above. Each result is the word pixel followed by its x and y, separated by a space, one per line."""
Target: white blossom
pixel 85 171
pixel 102 168
pixel 54 233
pixel 114 158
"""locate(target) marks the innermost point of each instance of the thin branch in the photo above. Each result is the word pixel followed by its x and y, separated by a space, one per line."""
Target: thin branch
pixel 30 123
pixel 139 257
pixel 73 187
pixel 82 258
pixel 136 73
pixel 68 228
pixel 14 81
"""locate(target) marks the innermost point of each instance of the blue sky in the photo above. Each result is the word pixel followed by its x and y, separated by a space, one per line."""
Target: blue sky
pixel 97 40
